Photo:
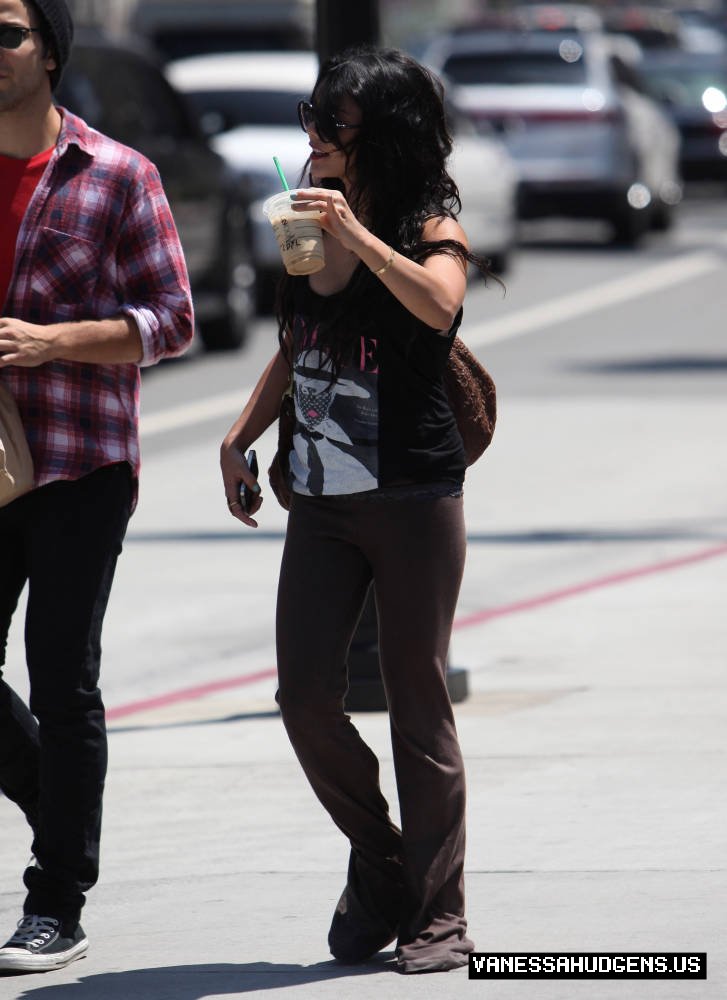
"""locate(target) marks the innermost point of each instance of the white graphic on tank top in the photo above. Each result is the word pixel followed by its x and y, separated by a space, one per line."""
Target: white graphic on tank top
pixel 335 446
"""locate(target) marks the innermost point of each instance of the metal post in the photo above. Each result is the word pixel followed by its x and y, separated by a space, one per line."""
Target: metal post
pixel 340 25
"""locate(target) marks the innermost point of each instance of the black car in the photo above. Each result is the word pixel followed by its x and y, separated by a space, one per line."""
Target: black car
pixel 693 88
pixel 120 90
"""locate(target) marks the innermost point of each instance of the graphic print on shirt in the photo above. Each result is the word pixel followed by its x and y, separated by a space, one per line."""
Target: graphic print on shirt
pixel 335 444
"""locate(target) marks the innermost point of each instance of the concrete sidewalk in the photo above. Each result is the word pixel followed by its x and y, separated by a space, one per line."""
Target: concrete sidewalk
pixel 594 735
pixel 596 819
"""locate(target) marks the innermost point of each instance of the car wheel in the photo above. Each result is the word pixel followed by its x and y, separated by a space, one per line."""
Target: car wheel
pixel 662 218
pixel 229 330
pixel 267 286
pixel 629 225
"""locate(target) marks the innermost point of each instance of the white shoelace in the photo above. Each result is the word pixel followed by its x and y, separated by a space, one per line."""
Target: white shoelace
pixel 34 931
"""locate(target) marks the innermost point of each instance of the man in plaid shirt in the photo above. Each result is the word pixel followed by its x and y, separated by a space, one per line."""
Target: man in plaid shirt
pixel 92 285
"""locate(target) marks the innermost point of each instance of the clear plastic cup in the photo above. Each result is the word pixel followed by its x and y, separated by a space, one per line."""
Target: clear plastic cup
pixel 299 234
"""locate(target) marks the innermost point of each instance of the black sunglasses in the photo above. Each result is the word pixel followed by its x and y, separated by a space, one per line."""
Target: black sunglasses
pixel 12 36
pixel 325 124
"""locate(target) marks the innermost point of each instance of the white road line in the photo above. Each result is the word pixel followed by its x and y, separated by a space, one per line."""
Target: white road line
pixel 576 304
pixel 565 307
pixel 229 404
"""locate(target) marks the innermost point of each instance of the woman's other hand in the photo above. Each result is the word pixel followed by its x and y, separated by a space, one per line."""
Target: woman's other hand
pixel 236 475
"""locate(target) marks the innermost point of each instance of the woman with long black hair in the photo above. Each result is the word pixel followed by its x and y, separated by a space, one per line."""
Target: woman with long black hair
pixel 376 472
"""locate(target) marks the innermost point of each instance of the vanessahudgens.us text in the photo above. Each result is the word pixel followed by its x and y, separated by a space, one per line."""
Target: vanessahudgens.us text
pixel 588 965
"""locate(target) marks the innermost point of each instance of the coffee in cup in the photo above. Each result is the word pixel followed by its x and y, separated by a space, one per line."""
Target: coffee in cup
pixel 298 233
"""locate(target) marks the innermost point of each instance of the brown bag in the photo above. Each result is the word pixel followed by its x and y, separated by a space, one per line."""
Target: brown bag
pixel 16 465
pixel 472 397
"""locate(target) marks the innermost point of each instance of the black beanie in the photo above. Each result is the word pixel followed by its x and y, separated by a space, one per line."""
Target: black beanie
pixel 59 25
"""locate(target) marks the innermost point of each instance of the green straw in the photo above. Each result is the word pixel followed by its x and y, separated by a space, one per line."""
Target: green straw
pixel 281 175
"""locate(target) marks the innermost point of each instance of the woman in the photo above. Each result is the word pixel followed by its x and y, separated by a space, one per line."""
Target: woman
pixel 376 471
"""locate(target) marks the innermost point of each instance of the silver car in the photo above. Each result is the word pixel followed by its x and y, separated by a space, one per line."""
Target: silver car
pixel 587 139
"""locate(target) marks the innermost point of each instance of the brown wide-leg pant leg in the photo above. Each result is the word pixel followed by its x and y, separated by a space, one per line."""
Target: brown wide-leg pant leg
pixel 414 551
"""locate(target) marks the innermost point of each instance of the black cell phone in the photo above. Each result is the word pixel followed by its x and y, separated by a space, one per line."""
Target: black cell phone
pixel 246 494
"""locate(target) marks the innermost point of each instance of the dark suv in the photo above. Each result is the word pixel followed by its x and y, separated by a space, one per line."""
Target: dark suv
pixel 121 91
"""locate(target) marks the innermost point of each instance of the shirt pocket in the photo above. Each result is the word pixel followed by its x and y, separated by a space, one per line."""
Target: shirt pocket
pixel 64 274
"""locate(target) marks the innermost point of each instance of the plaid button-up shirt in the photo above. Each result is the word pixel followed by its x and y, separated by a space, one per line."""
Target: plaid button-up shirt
pixel 97 240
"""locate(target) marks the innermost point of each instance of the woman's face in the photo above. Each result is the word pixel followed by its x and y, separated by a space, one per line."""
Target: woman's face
pixel 328 159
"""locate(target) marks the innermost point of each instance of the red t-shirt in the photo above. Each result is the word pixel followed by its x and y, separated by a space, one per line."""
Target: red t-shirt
pixel 18 181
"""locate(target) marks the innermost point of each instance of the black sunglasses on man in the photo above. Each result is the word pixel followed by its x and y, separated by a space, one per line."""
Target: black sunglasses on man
pixel 12 36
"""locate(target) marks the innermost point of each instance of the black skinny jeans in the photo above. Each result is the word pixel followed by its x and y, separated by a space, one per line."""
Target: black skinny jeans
pixel 414 551
pixel 64 540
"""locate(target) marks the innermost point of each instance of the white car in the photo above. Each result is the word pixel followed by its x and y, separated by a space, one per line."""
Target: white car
pixel 249 99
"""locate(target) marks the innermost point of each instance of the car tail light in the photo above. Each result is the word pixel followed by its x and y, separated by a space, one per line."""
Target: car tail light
pixel 506 120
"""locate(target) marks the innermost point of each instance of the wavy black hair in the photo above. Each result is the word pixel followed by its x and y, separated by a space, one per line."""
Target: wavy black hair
pixel 400 178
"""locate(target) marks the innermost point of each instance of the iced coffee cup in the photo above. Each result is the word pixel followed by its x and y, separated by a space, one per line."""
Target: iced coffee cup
pixel 299 234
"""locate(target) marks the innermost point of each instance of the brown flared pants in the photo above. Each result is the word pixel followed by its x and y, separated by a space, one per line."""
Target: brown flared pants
pixel 406 883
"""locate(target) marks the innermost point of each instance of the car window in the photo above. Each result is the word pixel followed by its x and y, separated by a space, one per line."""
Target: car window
pixel 123 95
pixel 519 68
pixel 684 86
pixel 246 107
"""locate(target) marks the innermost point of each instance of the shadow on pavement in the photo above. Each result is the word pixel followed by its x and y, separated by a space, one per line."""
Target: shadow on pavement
pixel 237 717
pixel 195 982
pixel 682 364
pixel 536 536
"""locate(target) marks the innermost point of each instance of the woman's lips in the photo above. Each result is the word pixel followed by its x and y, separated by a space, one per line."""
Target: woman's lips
pixel 317 154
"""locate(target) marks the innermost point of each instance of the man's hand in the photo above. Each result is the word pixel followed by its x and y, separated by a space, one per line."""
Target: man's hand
pixel 24 344
pixel 113 341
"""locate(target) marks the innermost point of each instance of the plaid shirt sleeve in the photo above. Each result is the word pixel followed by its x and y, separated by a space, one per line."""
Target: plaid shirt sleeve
pixel 151 271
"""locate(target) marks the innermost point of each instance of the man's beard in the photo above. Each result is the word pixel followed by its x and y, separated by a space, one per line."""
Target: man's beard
pixel 17 95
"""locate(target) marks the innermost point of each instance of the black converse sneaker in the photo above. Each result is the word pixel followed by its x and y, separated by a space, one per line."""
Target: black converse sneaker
pixel 38 946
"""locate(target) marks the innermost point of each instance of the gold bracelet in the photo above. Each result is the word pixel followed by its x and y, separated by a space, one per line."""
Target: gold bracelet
pixel 385 267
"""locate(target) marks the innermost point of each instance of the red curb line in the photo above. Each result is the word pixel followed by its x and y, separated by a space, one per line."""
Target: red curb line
pixel 188 694
pixel 476 618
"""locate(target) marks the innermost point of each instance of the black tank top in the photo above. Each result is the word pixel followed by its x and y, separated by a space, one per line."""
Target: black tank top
pixel 385 421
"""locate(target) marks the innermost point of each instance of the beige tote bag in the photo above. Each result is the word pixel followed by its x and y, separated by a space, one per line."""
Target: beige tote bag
pixel 16 465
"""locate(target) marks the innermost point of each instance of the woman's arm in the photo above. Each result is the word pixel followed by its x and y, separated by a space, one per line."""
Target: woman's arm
pixel 432 291
pixel 261 410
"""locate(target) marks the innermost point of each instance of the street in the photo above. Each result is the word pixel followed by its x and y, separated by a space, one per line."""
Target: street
pixel 591 623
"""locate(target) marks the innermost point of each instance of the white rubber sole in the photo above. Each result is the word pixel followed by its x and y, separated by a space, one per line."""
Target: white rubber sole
pixel 19 960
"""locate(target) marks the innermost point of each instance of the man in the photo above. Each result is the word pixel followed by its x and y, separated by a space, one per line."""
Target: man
pixel 92 285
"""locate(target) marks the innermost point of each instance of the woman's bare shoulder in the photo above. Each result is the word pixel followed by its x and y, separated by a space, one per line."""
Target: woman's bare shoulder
pixel 442 227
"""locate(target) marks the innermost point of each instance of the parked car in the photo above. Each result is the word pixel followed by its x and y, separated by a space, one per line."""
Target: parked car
pixel 250 99
pixel 693 89
pixel 587 139
pixel 651 27
pixel 247 103
pixel 120 90
pixel 488 181
pixel 179 28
